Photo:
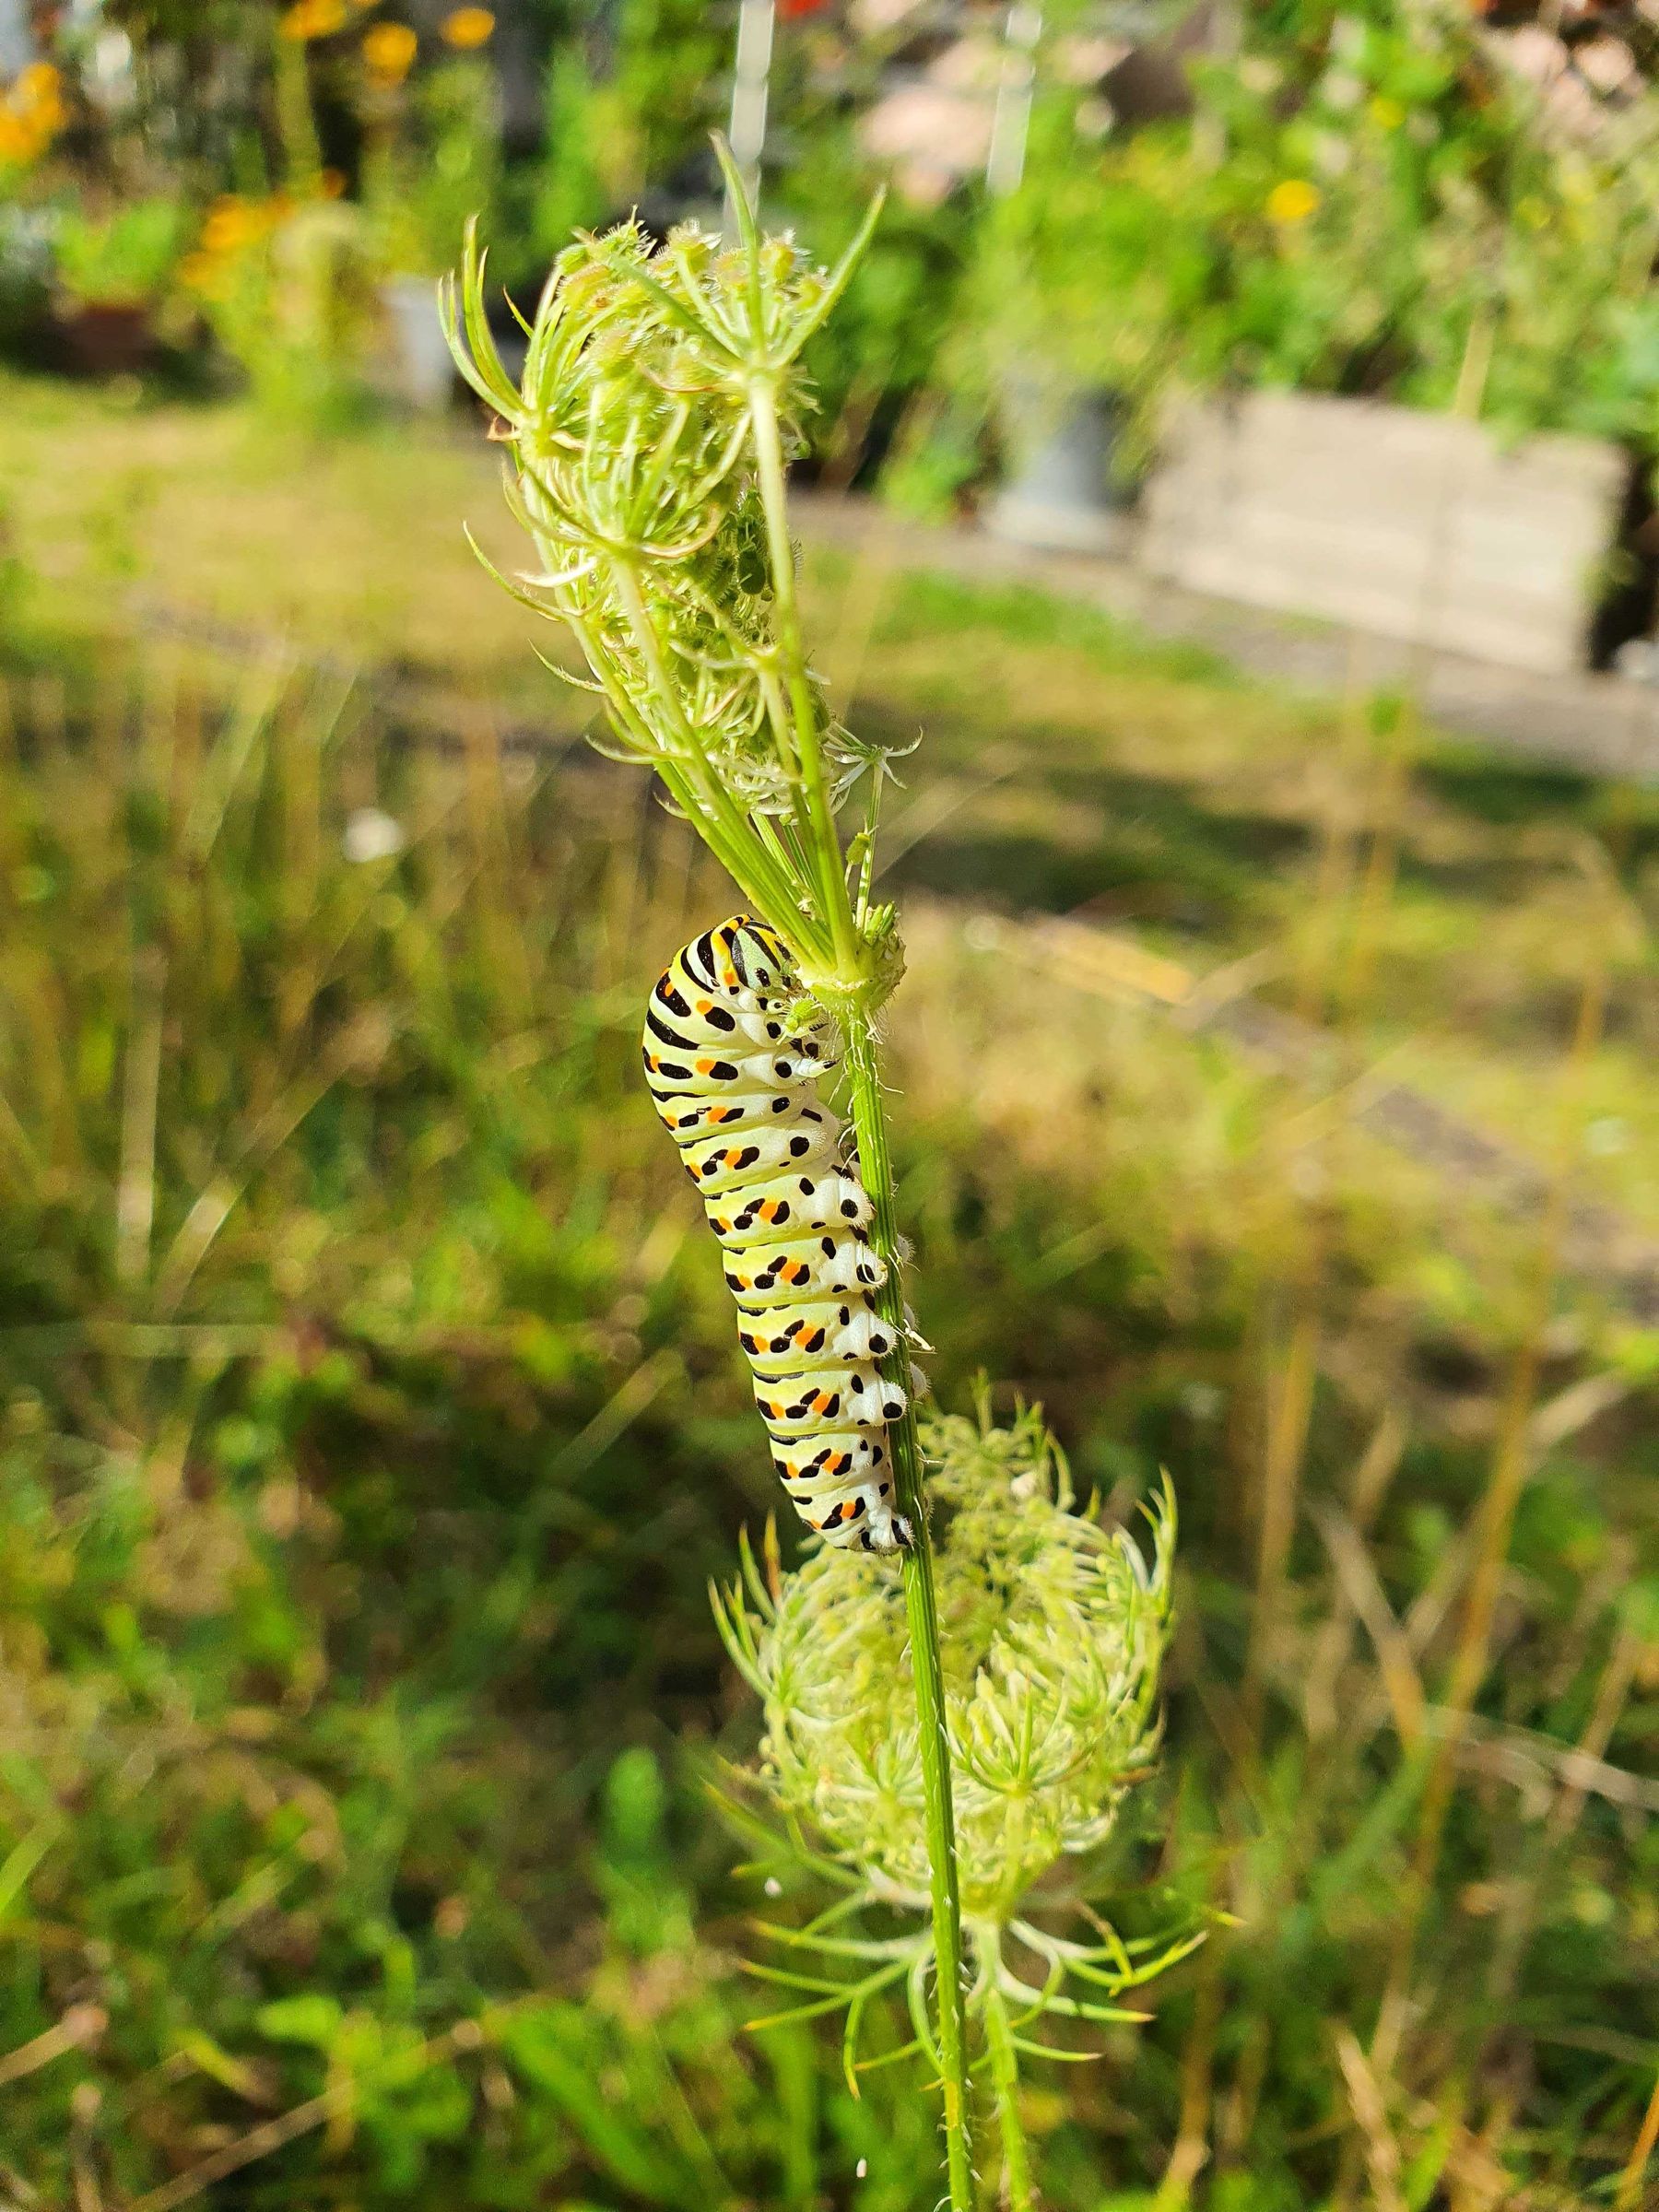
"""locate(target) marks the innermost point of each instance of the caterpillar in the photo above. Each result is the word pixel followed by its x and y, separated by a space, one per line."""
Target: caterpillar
pixel 731 1046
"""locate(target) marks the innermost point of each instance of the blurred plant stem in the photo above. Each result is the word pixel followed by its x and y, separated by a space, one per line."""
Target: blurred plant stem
pixel 1017 2190
pixel 1630 2180
pixel 768 439
pixel 1512 1460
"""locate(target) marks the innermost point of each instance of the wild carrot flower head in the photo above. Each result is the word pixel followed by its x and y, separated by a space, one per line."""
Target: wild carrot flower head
pixel 1053 1630
pixel 634 472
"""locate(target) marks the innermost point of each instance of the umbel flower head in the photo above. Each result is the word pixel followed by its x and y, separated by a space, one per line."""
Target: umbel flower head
pixel 1053 1630
pixel 635 462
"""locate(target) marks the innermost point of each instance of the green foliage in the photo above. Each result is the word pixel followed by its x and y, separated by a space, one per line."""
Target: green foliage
pixel 436 168
pixel 295 306
pixel 617 132
pixel 1365 202
pixel 879 353
pixel 346 1547
pixel 569 192
pixel 25 269
pixel 122 256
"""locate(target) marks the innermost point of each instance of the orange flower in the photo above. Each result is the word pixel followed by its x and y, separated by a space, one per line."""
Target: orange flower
pixel 31 114
pixel 206 275
pixel 233 222
pixel 229 223
pixel 468 28
pixel 39 88
pixel 313 19
pixel 389 52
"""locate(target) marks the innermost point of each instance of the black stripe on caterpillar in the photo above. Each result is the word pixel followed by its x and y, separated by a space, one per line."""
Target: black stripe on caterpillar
pixel 730 1040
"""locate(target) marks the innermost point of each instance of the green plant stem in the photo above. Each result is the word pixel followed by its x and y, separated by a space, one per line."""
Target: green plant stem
pixel 295 118
pixel 768 441
pixel 875 1165
pixel 718 819
pixel 1005 2083
pixel 851 979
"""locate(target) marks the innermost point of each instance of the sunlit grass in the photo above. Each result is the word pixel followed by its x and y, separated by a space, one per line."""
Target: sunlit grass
pixel 1072 760
pixel 345 1545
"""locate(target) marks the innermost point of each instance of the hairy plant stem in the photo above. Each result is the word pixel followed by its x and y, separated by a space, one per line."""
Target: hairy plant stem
pixel 869 1123
pixel 821 823
pixel 719 819
pixel 850 983
pixel 1005 2083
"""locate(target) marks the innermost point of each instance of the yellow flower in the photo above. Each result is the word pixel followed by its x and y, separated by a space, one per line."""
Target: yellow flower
pixel 467 27
pixel 1387 115
pixel 31 113
pixel 389 53
pixel 233 222
pixel 314 18
pixel 40 88
pixel 229 223
pixel 1292 202
pixel 204 273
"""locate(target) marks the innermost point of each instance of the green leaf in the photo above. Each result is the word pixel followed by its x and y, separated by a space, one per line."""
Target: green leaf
pixel 312 2018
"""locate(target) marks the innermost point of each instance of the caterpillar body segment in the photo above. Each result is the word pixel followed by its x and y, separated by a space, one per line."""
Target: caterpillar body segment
pixel 690 1120
pixel 677 1017
pixel 731 1040
pixel 845 1514
pixel 834 1458
pixel 788 1204
pixel 731 1161
pixel 800 1404
pixel 842 1329
pixel 762 1277
pixel 714 1069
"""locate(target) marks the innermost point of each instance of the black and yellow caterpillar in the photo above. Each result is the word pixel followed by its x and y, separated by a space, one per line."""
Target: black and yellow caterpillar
pixel 731 1041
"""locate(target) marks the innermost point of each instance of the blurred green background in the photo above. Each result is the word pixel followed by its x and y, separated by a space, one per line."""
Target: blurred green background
pixel 1275 1107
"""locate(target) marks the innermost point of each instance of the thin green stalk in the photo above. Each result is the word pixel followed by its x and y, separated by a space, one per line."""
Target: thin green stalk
pixel 869 1120
pixel 769 466
pixel 1005 2083
pixel 875 1164
pixel 735 831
